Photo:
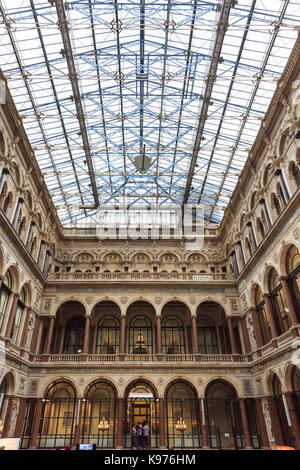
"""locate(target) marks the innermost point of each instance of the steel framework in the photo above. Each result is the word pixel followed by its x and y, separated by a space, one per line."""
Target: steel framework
pixel 184 83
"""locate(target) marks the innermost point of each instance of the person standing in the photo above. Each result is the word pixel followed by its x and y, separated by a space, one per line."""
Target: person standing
pixel 146 436
pixel 134 437
pixel 139 433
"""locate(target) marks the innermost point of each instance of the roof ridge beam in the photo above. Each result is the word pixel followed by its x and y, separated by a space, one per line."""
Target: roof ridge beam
pixel 211 77
pixel 73 76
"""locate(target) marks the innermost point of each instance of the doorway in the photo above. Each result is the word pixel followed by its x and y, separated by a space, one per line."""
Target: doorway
pixel 141 405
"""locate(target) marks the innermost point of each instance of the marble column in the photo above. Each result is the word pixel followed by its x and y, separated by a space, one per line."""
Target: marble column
pixel 231 336
pixel 158 334
pixel 294 418
pixel 20 419
pixel 7 419
pixel 204 424
pixel 86 335
pixel 264 439
pixel 122 334
pixel 35 424
pixel 194 335
pixel 245 424
pixel 11 316
pixel 289 302
pixel 120 423
pixel 256 326
pixel 162 432
pixel 49 336
pixel 25 327
pixel 270 314
pixel 275 422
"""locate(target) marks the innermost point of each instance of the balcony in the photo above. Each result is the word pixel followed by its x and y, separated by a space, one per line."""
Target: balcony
pixel 141 359
pixel 142 277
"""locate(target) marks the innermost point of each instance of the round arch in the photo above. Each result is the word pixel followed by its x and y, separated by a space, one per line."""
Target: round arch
pixel 283 255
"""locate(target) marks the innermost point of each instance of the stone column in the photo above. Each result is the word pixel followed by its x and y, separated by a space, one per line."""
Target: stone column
pixel 11 316
pixel 264 439
pixel 275 422
pixel 290 303
pixel 162 432
pixel 86 334
pixel 245 334
pixel 294 418
pixel 20 419
pixel 25 327
pixel 120 423
pixel 49 336
pixel 158 334
pixel 7 419
pixel 35 424
pixel 35 335
pixel 231 336
pixel 256 326
pixel 270 314
pixel 245 424
pixel 204 427
pixel 122 336
pixel 194 335
pixel 77 424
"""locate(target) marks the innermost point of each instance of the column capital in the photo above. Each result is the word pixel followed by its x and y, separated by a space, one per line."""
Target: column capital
pixel 16 295
pixel 283 278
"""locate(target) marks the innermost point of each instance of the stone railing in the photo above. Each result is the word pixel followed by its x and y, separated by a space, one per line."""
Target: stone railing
pixel 140 277
pixel 140 358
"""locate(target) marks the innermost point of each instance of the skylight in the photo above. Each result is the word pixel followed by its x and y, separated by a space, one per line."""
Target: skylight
pixel 140 69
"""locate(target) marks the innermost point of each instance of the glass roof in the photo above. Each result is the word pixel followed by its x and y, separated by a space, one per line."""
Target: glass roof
pixel 117 100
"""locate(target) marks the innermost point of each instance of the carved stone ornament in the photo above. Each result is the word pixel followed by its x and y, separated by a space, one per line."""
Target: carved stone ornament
pixel 89 300
pixel 33 387
pixel 158 300
pixel 192 300
pixel 123 300
pixel 81 381
pixel 247 387
pixel 160 381
pixel 296 233
pixel 121 381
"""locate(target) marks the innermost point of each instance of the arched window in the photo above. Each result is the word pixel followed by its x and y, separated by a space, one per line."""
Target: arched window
pixel 18 317
pixel 293 271
pixel 295 170
pixel 207 336
pixel 224 419
pixel 3 391
pixel 182 408
pixel 276 204
pixel 173 341
pixel 140 336
pixel 22 226
pixel 6 203
pixel 108 336
pixel 280 309
pixel 73 343
pixel 5 293
pixel 263 319
pixel 99 405
pixel 261 228
pixel 286 431
pixel 58 417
